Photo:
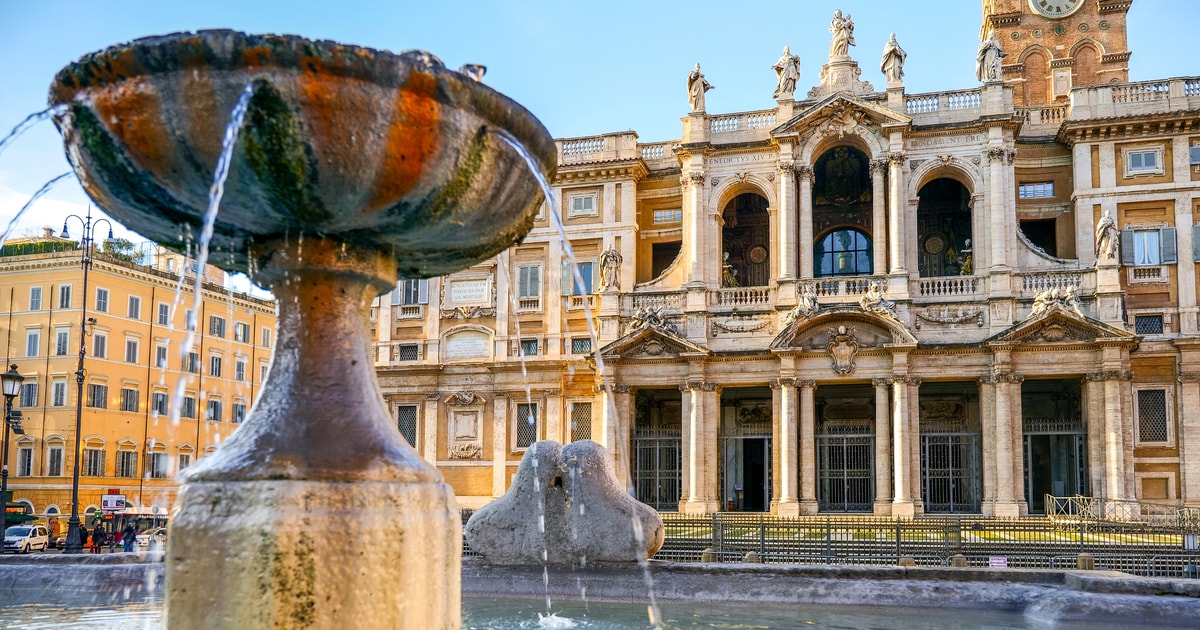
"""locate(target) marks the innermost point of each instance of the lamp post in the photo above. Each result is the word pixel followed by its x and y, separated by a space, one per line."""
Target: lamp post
pixel 12 386
pixel 86 243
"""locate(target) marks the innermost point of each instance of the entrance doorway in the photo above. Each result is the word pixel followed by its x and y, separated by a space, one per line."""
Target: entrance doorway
pixel 745 434
pixel 845 448
pixel 657 447
pixel 950 448
pixel 1055 441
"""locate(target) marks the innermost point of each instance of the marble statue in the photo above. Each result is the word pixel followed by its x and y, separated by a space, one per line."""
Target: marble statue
pixel 1106 237
pixel 728 273
pixel 787 70
pixel 610 269
pixel 806 307
pixel 987 60
pixel 892 63
pixel 697 86
pixel 873 302
pixel 843 34
pixel 1066 298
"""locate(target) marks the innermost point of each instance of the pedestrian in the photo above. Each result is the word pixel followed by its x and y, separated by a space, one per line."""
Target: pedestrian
pixel 98 538
pixel 83 537
pixel 128 537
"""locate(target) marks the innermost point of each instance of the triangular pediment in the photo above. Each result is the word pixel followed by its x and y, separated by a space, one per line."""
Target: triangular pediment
pixel 651 342
pixel 1058 325
pixel 816 332
pixel 841 110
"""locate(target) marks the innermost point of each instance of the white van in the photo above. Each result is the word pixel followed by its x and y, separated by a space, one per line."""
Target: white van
pixel 26 538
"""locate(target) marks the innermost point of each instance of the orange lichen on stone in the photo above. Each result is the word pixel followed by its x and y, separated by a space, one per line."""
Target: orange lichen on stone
pixel 256 56
pixel 133 114
pixel 412 142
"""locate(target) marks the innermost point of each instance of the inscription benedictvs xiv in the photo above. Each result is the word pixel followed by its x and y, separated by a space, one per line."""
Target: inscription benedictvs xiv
pixel 1055 8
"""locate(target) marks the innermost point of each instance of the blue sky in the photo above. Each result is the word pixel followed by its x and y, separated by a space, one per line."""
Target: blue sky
pixel 583 68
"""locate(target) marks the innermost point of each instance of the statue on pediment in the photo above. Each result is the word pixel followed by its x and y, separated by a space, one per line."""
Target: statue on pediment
pixel 843 34
pixel 1066 298
pixel 806 307
pixel 873 302
pixel 787 70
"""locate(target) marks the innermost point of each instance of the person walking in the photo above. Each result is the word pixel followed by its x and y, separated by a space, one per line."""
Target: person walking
pixel 128 537
pixel 98 538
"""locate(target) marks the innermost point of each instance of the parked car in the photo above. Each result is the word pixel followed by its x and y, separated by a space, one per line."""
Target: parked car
pixel 26 538
pixel 156 536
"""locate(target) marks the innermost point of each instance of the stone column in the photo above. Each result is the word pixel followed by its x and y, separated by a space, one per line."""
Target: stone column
pixel 914 443
pixel 998 228
pixel 553 405
pixel 499 444
pixel 787 220
pixel 902 504
pixel 808 447
pixel 1009 486
pixel 699 448
pixel 1186 270
pixel 895 212
pixel 617 403
pixel 1093 405
pixel 429 428
pixel 805 250
pixel 989 439
pixel 1117 444
pixel 787 447
pixel 879 214
pixel 695 227
pixel 1189 424
pixel 883 448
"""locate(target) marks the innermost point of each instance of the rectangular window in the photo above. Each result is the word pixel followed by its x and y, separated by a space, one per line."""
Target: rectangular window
pixel 1146 247
pixel 64 296
pixel 129 399
pixel 156 465
pixel 581 205
pixel 1152 415
pixel 239 370
pixel 33 341
pixel 54 461
pixel 581 421
pixel 1142 162
pixel 35 298
pixel 262 372
pixel 185 460
pixel 192 363
pixel 62 342
pixel 58 396
pixel 93 462
pixel 213 412
pixel 581 283
pixel 216 326
pixel 406 421
pixel 97 396
pixel 413 292
pixel 409 352
pixel 135 307
pixel 526 420
pixel 158 403
pixel 127 464
pixel 581 345
pixel 668 216
pixel 214 366
pixel 239 412
pixel 1148 324
pixel 529 347
pixel 189 319
pixel 100 346
pixel 265 337
pixel 160 356
pixel 164 314
pixel 131 350
pixel 29 395
pixel 25 461
pixel 101 300
pixel 1040 190
pixel 189 407
pixel 241 332
pixel 529 281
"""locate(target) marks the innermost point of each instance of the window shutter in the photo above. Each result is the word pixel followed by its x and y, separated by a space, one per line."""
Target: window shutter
pixel 423 291
pixel 1126 247
pixel 567 279
pixel 595 284
pixel 397 292
pixel 1169 254
pixel 1196 240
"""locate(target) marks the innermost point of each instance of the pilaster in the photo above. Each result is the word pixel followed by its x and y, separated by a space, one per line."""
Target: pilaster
pixel 808 448
pixel 883 448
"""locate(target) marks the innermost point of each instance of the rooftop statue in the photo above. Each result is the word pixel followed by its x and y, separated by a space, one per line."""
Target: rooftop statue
pixel 787 69
pixel 843 34
pixel 892 63
pixel 987 60
pixel 697 86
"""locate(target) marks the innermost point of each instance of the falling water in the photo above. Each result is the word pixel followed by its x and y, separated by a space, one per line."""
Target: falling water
pixel 30 121
pixel 556 219
pixel 37 195
pixel 237 116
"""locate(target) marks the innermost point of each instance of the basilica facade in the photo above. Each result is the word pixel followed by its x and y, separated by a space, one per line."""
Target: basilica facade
pixel 858 301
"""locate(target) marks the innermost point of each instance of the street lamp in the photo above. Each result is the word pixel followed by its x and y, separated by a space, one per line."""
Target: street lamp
pixel 86 244
pixel 12 386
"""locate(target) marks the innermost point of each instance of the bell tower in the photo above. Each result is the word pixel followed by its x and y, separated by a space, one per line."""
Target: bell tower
pixel 1054 45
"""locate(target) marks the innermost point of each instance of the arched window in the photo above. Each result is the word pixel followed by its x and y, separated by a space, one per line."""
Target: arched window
pixel 843 252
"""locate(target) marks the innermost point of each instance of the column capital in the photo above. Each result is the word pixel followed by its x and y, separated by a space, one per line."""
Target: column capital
pixel 881 382
pixel 804 172
pixel 780 383
pixel 896 158
pixel 692 178
pixel 787 167
pixel 1111 375
pixel 1189 377
pixel 697 386
pixel 806 384
pixel 913 381
pixel 878 166
pixel 996 154
pixel 434 395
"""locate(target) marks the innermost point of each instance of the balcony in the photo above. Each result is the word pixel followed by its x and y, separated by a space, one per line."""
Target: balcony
pixel 743 297
pixel 1139 98
pixel 946 288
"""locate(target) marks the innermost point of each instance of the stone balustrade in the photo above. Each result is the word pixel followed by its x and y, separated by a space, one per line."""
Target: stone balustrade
pixel 1143 97
pixel 605 148
pixel 659 155
pixel 847 289
pixel 670 302
pixel 1030 284
pixel 743 126
pixel 742 297
pixel 944 287
pixel 954 106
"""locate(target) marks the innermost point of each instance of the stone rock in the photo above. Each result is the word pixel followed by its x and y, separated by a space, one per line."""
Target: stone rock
pixel 565 506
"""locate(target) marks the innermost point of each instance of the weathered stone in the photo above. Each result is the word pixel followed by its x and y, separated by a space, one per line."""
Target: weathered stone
pixel 565 506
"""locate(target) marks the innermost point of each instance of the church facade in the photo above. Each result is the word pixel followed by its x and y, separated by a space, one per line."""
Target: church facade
pixel 858 301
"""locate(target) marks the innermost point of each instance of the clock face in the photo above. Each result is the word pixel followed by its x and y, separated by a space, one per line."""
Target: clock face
pixel 1055 8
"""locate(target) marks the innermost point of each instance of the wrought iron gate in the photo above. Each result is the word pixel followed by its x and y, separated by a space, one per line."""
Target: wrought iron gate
pixel 950 475
pixel 845 473
pixel 657 469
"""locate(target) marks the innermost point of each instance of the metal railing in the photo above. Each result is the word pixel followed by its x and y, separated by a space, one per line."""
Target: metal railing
pixel 1103 511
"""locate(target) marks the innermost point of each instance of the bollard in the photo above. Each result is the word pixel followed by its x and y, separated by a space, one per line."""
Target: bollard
pixel 708 555
pixel 907 561
pixel 958 560
pixel 753 557
pixel 1085 562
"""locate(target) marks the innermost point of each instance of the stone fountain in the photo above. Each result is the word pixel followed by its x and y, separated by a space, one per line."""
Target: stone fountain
pixel 354 167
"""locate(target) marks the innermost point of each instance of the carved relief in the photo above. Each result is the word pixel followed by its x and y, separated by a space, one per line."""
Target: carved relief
pixel 842 347
pixel 995 154
pixel 1110 375
pixel 873 302
pixel 466 450
pixel 806 307
pixel 946 316
pixel 730 327
pixel 468 312
pixel 464 398
pixel 651 317
pixel 466 440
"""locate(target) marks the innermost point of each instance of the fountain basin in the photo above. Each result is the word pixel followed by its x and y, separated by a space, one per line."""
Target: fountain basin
pixel 386 151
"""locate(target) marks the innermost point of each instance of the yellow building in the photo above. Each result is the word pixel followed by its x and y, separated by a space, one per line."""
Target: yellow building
pixel 148 410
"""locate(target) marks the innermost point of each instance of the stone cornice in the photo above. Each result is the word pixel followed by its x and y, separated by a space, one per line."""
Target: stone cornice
pixel 1138 126
pixel 588 173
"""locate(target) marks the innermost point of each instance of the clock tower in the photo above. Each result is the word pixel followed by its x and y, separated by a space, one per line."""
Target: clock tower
pixel 1054 45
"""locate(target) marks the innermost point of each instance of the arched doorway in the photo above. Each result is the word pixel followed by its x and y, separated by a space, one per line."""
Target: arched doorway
pixel 746 242
pixel 842 229
pixel 944 229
